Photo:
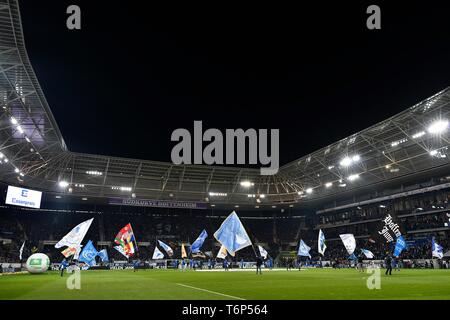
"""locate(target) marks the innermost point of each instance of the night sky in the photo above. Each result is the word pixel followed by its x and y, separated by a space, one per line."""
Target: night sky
pixel 135 73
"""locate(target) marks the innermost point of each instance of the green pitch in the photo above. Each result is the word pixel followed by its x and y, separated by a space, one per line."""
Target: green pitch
pixel 173 284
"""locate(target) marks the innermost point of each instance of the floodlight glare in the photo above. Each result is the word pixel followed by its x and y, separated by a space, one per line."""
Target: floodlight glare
pixel 356 158
pixel 309 190
pixel 63 184
pixel 353 177
pixel 328 184
pixel 13 120
pixel 438 126
pixel 246 184
pixel 346 162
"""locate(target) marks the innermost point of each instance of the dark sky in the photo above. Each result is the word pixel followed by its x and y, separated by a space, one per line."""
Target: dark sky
pixel 135 73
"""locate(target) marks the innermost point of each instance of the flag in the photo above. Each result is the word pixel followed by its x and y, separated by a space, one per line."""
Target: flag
pixel 88 254
pixel 303 249
pixel 368 253
pixel 321 243
pixel 399 246
pixel 120 249
pixel 75 236
pixel 21 250
pixel 157 254
pixel 68 252
pixel 103 254
pixel 232 234
pixel 222 254
pixel 352 257
pixel 436 250
pixel 183 251
pixel 262 252
pixel 125 238
pixel 349 242
pixel 195 247
pixel 77 253
pixel 166 248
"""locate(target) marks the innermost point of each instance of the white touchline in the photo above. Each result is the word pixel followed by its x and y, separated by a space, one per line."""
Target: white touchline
pixel 220 294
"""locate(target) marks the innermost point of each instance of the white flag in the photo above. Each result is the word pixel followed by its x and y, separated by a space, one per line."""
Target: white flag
pixel 321 243
pixel 222 254
pixel 367 253
pixel 77 253
pixel 157 254
pixel 349 242
pixel 75 236
pixel 262 252
pixel 21 250
pixel 120 249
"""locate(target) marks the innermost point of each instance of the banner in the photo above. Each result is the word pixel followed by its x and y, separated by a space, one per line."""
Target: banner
pixel 75 236
pixel 183 251
pixel 222 254
pixel 88 254
pixel 388 229
pixel 399 246
pixel 436 250
pixel 232 234
pixel 321 243
pixel 125 238
pixel 157 254
pixel 367 253
pixel 303 250
pixel 197 245
pixel 349 242
pixel 158 203
pixel 262 252
pixel 23 197
pixel 166 248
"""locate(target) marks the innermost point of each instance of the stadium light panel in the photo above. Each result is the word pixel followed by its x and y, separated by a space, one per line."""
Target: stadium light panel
pixel 247 184
pixel 309 190
pixel 353 177
pixel 262 196
pixel 28 140
pixel 438 126
pixel 13 120
pixel 356 158
pixel 20 129
pixel 346 162
pixel 328 184
pixel 418 134
pixel 16 170
pixel 217 194
pixel 63 184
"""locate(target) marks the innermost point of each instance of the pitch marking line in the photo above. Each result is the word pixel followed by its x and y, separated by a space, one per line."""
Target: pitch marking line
pixel 213 292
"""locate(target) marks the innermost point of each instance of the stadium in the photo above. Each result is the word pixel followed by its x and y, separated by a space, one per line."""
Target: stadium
pixel 327 225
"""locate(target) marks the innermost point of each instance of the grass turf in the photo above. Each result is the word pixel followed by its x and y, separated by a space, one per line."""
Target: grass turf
pixel 191 285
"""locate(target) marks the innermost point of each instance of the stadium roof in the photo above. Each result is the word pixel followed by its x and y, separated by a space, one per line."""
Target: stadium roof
pixel 33 152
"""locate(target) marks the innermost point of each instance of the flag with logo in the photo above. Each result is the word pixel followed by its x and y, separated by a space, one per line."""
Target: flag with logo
pixel 88 254
pixel 157 254
pixel 196 246
pixel 75 236
pixel 21 250
pixel 368 253
pixel 400 244
pixel 263 252
pixel 103 255
pixel 122 252
pixel 349 242
pixel 222 254
pixel 68 252
pixel 125 238
pixel 437 250
pixel 232 234
pixel 321 243
pixel 166 248
pixel 303 250
pixel 183 251
pixel 77 252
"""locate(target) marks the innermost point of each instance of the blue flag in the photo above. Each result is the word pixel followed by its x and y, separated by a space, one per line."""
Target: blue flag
pixel 436 250
pixel 303 249
pixel 166 248
pixel 195 247
pixel 103 255
pixel 399 246
pixel 88 254
pixel 352 257
pixel 232 234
